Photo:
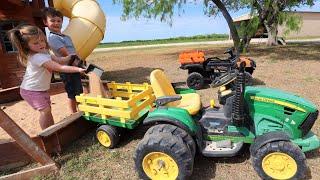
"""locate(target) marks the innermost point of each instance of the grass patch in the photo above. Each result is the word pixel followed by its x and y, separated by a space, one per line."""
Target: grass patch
pixel 210 37
pixel 308 79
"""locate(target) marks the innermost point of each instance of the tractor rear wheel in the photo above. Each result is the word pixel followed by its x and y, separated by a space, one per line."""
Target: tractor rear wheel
pixel 195 81
pixel 163 156
pixel 108 136
pixel 174 130
pixel 280 160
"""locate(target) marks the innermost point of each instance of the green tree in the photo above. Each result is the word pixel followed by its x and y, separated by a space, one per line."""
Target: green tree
pixel 271 14
pixel 164 10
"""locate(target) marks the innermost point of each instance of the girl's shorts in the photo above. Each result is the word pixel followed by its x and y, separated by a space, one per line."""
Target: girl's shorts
pixel 38 100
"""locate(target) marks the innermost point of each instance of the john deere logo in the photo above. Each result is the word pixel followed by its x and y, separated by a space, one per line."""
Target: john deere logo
pixel 273 101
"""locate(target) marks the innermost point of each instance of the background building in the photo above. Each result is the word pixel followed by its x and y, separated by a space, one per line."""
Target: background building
pixel 310 27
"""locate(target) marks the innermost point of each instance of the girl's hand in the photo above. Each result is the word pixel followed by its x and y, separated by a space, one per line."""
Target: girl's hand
pixel 82 71
pixel 73 60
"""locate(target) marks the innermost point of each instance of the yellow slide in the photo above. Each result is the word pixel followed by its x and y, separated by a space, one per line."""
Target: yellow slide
pixel 87 23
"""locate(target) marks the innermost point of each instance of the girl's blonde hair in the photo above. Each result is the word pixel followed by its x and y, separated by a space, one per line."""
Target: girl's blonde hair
pixel 21 35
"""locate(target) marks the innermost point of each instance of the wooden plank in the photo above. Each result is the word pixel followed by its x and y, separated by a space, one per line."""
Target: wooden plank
pixel 29 174
pixel 13 94
pixel 74 130
pixel 22 138
pixel 63 123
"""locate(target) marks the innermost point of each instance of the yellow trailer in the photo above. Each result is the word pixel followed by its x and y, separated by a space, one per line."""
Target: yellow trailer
pixel 129 105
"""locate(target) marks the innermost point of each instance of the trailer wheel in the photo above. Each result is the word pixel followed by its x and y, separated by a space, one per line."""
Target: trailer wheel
pixel 163 156
pixel 174 130
pixel 195 81
pixel 280 160
pixel 108 136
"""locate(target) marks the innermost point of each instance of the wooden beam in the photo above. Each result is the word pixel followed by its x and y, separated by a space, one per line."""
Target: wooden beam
pixel 12 155
pixel 29 174
pixel 22 138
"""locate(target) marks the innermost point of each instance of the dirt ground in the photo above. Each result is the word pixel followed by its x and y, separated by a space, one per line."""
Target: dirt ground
pixel 293 68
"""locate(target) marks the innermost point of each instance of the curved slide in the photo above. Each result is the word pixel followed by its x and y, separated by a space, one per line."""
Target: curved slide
pixel 86 26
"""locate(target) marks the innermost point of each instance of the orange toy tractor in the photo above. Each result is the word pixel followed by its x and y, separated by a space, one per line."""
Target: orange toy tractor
pixel 213 70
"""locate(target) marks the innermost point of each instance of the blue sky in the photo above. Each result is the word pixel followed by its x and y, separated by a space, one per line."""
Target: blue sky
pixel 191 22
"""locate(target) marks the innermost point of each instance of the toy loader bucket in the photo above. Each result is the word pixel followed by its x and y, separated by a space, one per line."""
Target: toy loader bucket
pixel 95 69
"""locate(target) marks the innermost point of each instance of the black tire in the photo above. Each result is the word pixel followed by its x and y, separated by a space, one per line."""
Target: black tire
pixel 113 134
pixel 284 147
pixel 195 81
pixel 169 145
pixel 176 131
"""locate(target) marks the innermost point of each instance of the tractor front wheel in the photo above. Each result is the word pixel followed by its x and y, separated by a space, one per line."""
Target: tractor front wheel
pixel 108 136
pixel 176 131
pixel 163 156
pixel 280 160
pixel 195 81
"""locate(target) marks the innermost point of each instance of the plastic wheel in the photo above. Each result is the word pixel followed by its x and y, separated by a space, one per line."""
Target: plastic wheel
pixel 195 81
pixel 280 160
pixel 163 156
pixel 108 136
pixel 176 131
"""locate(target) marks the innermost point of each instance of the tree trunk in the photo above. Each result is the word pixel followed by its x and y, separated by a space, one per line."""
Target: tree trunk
pixel 272 34
pixel 244 45
pixel 232 27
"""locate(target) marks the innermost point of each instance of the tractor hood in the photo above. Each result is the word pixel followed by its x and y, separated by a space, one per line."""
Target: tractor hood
pixel 275 96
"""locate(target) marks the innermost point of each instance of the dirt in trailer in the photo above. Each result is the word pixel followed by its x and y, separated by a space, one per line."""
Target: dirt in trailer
pixel 294 68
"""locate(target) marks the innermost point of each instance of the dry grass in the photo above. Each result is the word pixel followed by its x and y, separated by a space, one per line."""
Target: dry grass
pixel 293 68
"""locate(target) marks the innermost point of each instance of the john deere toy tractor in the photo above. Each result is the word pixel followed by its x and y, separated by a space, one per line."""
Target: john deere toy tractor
pixel 276 124
pixel 213 70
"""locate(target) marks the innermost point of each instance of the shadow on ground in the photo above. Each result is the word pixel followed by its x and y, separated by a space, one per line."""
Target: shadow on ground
pixel 290 51
pixel 205 167
pixel 134 75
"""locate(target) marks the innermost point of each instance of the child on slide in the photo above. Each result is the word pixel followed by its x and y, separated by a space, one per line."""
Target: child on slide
pixel 62 46
pixel 33 53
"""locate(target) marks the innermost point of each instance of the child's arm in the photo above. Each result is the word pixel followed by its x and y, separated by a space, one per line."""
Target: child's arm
pixel 53 66
pixel 63 51
pixel 61 60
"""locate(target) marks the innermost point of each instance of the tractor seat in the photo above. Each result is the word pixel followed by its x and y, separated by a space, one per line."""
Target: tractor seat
pixel 161 86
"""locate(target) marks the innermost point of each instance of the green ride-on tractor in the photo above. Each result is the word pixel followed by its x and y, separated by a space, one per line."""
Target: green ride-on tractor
pixel 276 124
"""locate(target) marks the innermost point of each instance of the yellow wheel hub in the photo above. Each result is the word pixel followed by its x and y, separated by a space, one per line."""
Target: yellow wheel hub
pixel 159 166
pixel 279 165
pixel 104 138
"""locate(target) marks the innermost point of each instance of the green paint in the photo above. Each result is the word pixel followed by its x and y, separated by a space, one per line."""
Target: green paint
pixel 114 121
pixel 184 90
pixel 308 143
pixel 276 110
pixel 248 137
pixel 232 138
pixel 178 114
